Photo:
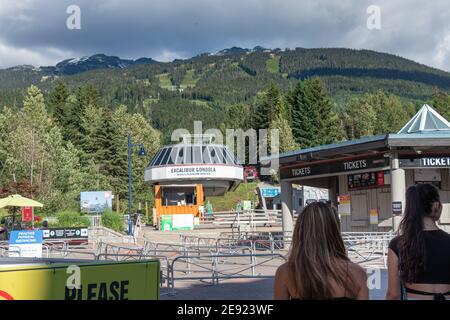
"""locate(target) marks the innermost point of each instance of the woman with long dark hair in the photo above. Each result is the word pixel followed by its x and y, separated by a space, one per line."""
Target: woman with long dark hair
pixel 419 257
pixel 318 267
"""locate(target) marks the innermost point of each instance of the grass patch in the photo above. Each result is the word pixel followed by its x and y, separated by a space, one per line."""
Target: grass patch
pixel 165 82
pixel 245 191
pixel 273 64
pixel 189 80
pixel 199 102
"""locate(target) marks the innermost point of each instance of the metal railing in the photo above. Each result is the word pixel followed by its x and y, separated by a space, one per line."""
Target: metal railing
pixel 368 248
pixel 217 257
pixel 219 267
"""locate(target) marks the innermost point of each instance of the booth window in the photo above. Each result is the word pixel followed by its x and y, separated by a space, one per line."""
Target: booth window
pixel 179 196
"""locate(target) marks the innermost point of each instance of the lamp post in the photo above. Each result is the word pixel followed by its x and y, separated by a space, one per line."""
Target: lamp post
pixel 142 152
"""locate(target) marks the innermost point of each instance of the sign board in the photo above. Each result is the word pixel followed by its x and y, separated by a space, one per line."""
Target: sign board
pixel 270 192
pixel 99 280
pixel 366 180
pixel 165 222
pixel 334 167
pixel 397 208
pixel 27 214
pixel 427 175
pixel 246 205
pixel 344 207
pixel 182 222
pixel 425 162
pixel 195 172
pixel 95 201
pixel 65 233
pixel 25 243
pixel 374 216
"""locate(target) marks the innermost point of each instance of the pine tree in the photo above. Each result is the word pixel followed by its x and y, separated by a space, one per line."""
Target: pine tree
pixel 57 103
pixel 91 97
pixel 73 131
pixel 111 155
pixel 286 138
pixel 265 108
pixel 314 121
pixel 91 122
pixel 304 118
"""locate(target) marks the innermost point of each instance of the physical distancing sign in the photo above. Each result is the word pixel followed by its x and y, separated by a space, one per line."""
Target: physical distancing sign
pixel 134 280
pixel 26 243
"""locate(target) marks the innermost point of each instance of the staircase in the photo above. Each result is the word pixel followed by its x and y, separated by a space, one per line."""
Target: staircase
pixel 241 219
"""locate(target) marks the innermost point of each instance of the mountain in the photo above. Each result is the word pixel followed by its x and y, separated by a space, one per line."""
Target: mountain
pixel 97 61
pixel 199 88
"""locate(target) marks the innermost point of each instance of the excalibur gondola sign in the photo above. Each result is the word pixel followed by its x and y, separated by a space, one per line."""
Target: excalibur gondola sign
pixel 352 165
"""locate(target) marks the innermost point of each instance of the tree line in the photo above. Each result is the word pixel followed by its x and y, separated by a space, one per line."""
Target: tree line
pixel 52 150
pixel 306 116
pixel 71 141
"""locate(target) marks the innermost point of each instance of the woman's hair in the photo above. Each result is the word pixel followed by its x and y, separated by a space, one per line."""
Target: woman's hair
pixel 411 243
pixel 316 250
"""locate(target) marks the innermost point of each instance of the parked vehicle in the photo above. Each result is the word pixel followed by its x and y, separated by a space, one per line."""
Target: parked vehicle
pixel 250 174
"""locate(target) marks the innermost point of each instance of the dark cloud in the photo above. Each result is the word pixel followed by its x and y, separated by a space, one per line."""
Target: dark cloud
pixel 34 31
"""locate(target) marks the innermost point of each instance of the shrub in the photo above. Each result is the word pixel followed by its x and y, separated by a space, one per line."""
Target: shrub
pixel 67 219
pixel 113 221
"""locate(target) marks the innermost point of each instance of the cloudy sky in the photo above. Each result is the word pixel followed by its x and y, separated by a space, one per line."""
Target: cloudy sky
pixel 35 31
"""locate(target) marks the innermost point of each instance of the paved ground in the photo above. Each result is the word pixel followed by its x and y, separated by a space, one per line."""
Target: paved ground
pixel 260 289
pixel 235 289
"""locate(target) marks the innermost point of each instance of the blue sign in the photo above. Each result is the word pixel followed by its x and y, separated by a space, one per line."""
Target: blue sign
pixel 26 237
pixel 270 192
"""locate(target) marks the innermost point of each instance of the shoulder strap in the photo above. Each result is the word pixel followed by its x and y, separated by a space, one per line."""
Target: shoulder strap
pixel 437 296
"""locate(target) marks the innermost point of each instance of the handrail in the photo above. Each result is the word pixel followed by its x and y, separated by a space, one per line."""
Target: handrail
pixel 216 275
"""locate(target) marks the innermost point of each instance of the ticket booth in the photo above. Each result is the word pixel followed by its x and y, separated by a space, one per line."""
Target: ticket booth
pixel 183 175
pixel 367 178
pixel 179 199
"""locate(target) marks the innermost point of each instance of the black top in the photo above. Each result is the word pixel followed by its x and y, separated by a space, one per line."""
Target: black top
pixel 437 257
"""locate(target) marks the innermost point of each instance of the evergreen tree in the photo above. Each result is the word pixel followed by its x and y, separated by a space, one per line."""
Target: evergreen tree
pixel 314 121
pixel 237 116
pixel 265 108
pixel 91 97
pixel 57 103
pixel 286 138
pixel 329 130
pixel 91 122
pixel 111 155
pixel 440 101
pixel 73 131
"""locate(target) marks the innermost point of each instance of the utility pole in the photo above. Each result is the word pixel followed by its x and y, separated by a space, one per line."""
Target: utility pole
pixel 142 152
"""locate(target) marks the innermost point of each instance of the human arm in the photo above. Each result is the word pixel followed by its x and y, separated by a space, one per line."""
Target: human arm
pixel 393 291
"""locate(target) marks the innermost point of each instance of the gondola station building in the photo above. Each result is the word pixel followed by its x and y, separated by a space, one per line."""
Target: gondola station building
pixel 183 174
pixel 367 178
